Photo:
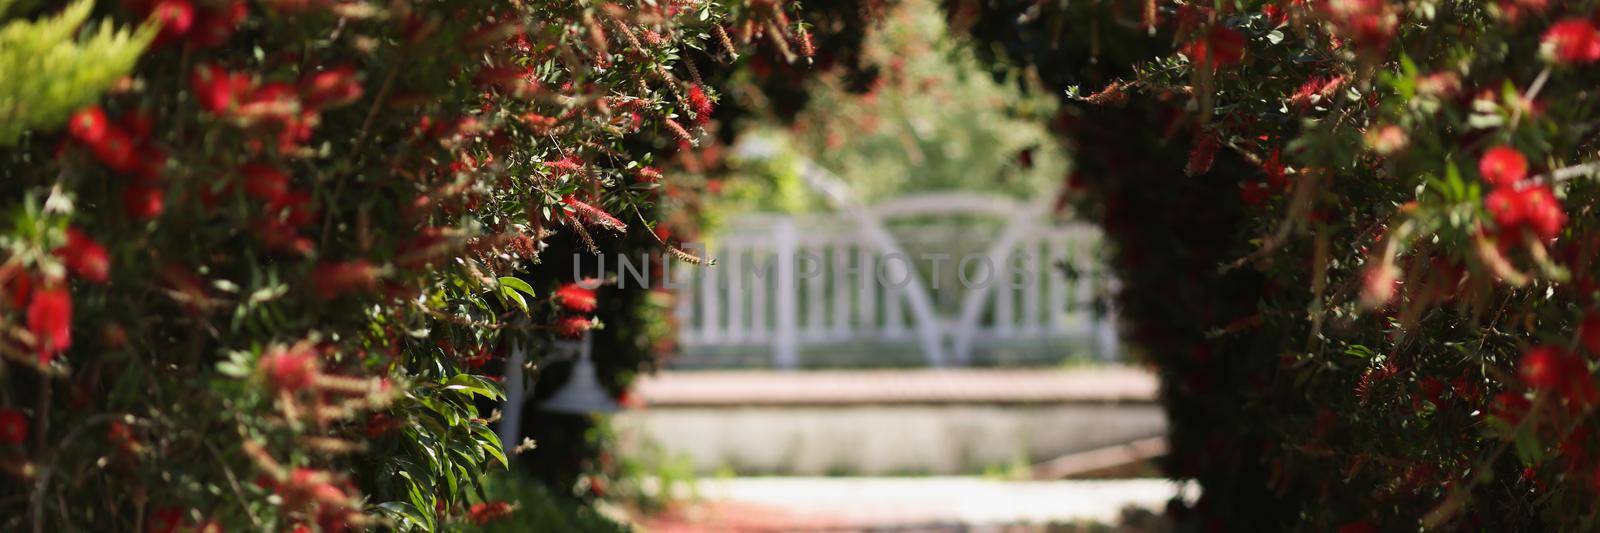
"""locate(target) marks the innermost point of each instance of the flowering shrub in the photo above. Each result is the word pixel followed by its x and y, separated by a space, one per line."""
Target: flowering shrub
pixel 1354 236
pixel 252 271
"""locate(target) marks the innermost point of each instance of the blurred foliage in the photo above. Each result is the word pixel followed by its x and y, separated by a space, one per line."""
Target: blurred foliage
pixel 929 118
pixel 47 71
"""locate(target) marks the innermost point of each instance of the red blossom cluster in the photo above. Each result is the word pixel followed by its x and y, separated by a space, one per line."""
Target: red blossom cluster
pixel 1571 42
pixel 578 301
pixel 1517 206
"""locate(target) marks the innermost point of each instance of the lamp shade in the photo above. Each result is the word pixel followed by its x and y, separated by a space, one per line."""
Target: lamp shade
pixel 582 393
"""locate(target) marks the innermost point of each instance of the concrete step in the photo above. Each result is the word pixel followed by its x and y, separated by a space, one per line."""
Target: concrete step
pixel 890 422
pixel 964 504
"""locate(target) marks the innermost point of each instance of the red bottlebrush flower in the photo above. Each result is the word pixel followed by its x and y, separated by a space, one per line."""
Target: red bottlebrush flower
pixel 1571 41
pixel 1545 367
pixel 648 175
pixel 115 150
pixel 176 18
pixel 1543 212
pixel 308 487
pixel 13 427
pixel 264 182
pixel 700 104
pixel 1503 166
pixel 539 124
pixel 89 125
pixel 18 289
pixel 677 130
pixel 1511 407
pixel 1276 16
pixel 1221 47
pixel 566 165
pixel 281 237
pixel 330 280
pixel 379 424
pixel 572 327
pixel 215 26
pixel 1387 140
pixel 276 100
pixel 293 208
pixel 1255 193
pixel 143 201
pixel 592 215
pixel 219 91
pixel 84 257
pixel 514 80
pixel 1505 205
pixel 574 297
pixel 1201 155
pixel 50 322
pixel 1589 333
pixel 333 87
pixel 1378 284
pixel 1533 208
pixel 1370 23
pixel 289 369
pixel 1443 84
pixel 484 512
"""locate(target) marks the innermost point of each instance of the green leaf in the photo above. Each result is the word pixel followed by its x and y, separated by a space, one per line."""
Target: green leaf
pixel 517 284
pixel 46 73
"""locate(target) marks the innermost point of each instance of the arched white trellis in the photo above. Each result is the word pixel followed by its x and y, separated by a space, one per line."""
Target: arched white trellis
pixel 785 282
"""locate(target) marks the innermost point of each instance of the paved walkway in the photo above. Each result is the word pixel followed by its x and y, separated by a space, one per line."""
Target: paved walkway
pixel 1108 384
pixel 956 504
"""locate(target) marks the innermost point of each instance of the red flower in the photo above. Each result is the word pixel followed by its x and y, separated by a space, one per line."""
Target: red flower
pixel 379 424
pixel 330 280
pixel 176 18
pixel 1503 166
pixel 264 182
pixel 115 150
pixel 1589 333
pixel 215 26
pixel 89 125
pixel 1571 41
pixel 219 91
pixel 576 298
pixel 1221 47
pixel 50 322
pixel 18 289
pixel 332 87
pixel 1535 209
pixel 143 201
pixel 648 174
pixel 484 512
pixel 293 207
pixel 700 104
pixel 84 257
pixel 13 426
pixel 1370 23
pixel 572 327
pixel 289 369
pixel 1201 155
pixel 591 215
pixel 1542 367
pixel 1511 407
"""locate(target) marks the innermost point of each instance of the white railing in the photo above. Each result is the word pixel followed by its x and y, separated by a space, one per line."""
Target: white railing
pixel 948 272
